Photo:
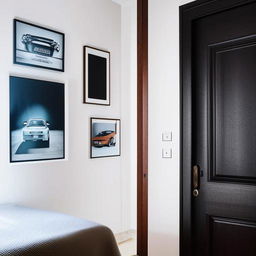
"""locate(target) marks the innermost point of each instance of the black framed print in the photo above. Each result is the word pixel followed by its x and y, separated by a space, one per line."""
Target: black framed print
pixel 105 137
pixel 37 120
pixel 38 46
pixel 96 76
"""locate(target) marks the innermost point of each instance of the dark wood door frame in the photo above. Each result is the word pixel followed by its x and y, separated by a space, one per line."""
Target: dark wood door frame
pixel 142 128
pixel 188 14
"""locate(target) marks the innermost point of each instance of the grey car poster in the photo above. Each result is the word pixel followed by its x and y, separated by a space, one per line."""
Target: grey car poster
pixel 38 46
pixel 37 120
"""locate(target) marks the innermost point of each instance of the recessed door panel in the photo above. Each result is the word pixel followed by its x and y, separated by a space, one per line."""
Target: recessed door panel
pixel 233 110
pixel 230 237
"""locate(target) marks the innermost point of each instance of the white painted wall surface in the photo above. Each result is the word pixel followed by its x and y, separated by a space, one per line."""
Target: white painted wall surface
pixel 163 116
pixel 83 187
pixel 129 110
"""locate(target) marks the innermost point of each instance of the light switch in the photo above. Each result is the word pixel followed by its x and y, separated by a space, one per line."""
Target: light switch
pixel 167 153
pixel 167 136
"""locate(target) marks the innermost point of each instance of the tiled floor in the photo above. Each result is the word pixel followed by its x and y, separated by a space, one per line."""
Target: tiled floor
pixel 128 248
pixel 127 242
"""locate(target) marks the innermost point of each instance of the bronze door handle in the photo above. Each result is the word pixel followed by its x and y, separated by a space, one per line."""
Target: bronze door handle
pixel 195 180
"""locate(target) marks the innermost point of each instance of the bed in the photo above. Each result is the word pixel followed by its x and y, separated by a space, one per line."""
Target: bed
pixel 31 232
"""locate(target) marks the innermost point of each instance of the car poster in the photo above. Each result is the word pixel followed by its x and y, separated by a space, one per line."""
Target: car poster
pixel 37 46
pixel 105 137
pixel 37 120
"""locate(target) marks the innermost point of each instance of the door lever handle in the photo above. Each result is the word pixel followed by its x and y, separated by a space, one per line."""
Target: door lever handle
pixel 196 180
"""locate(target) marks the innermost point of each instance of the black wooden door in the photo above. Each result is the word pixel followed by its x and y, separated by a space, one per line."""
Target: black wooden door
pixel 223 132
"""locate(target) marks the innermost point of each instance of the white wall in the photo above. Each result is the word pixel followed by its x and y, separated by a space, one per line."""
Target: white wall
pixel 88 188
pixel 163 116
pixel 129 109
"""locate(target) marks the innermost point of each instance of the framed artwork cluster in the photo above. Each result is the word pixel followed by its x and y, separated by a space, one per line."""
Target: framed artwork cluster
pixel 37 107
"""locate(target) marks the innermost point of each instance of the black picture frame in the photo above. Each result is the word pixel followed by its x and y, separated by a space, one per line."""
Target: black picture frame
pixel 30 53
pixel 104 121
pixel 36 98
pixel 96 76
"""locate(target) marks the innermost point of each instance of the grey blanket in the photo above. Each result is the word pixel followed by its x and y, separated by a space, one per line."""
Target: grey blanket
pixel 30 232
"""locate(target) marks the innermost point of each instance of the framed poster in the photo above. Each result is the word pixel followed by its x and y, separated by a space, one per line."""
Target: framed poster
pixel 105 137
pixel 96 76
pixel 38 46
pixel 37 120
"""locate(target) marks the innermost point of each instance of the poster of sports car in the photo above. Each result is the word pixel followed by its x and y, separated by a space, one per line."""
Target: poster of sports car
pixel 37 46
pixel 105 137
pixel 37 120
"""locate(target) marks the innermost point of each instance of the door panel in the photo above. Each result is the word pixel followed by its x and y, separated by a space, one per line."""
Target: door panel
pixel 233 108
pixel 225 231
pixel 224 132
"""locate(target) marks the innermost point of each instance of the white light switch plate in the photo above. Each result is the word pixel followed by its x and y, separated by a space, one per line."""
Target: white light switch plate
pixel 167 136
pixel 167 153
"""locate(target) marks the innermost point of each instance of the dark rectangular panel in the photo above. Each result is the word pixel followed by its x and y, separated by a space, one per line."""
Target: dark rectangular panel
pixel 233 109
pixel 230 237
pixel 97 77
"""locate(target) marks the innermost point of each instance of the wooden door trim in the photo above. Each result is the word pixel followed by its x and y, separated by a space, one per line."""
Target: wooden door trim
pixel 142 127
pixel 189 13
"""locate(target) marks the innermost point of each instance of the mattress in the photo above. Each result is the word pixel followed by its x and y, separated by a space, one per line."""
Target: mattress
pixel 31 232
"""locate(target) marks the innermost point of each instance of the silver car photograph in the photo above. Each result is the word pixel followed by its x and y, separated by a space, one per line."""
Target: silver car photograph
pixel 36 130
pixel 37 120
